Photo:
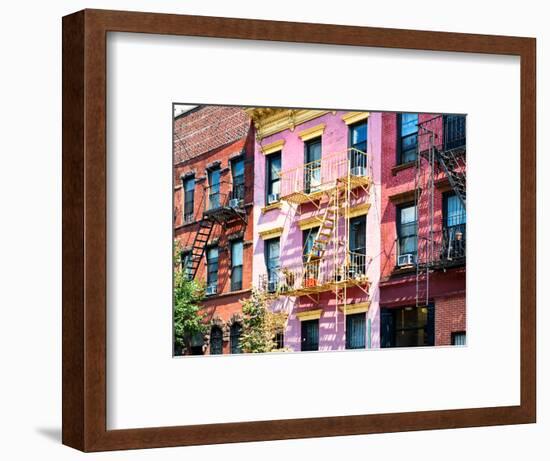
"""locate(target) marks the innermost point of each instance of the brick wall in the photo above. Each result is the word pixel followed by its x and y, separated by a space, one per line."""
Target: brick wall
pixel 450 317
pixel 224 308
pixel 206 128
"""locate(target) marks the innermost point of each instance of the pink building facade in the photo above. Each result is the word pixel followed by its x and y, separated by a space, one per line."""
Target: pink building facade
pixel 346 316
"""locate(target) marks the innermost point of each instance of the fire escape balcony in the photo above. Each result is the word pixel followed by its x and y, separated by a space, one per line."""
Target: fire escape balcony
pixel 224 207
pixel 317 276
pixel 308 182
pixel 446 249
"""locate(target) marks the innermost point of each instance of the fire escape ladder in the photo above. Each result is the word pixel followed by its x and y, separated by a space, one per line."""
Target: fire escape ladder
pixel 326 229
pixel 199 245
pixel 453 163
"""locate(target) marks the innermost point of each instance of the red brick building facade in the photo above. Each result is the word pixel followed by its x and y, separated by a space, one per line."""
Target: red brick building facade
pixel 424 306
pixel 213 168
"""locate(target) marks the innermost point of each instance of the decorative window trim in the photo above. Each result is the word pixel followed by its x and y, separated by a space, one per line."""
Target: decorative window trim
pixel 353 117
pixel 309 223
pixel 271 233
pixel 358 210
pixel 309 315
pixel 313 132
pixel 357 308
pixel 273 206
pixel 273 147
pixel 403 197
pixel 214 165
pixel 187 175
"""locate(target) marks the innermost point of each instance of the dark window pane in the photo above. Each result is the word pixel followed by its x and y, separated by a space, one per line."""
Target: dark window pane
pixel 458 338
pixel 312 169
pixel 407 229
pixel 212 271
pixel 272 263
pixel 235 337
pixel 358 136
pixel 356 331
pixel 408 137
pixel 237 265
pixel 214 188
pixel 310 335
pixel 237 169
pixel 188 200
pixel 216 340
pixel 273 179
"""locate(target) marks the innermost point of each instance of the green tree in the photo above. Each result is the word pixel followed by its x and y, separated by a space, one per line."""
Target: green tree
pixel 188 318
pixel 260 325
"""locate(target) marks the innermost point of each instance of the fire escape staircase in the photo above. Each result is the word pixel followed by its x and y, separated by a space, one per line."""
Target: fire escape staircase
pixel 326 228
pixel 199 245
pixel 453 163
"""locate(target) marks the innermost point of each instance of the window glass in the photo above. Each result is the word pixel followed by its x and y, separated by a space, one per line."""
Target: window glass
pixel 310 335
pixel 456 213
pixel 408 137
pixel 216 340
pixel 273 179
pixel 189 199
pixel 356 329
pixel 407 230
pixel 359 136
pixel 235 338
pixel 237 265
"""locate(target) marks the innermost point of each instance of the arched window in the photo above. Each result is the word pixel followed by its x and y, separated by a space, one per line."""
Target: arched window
pixel 234 338
pixel 216 340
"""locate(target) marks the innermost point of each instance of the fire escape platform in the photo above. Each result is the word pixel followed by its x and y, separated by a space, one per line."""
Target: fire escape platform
pixel 224 214
pixel 325 287
pixel 301 196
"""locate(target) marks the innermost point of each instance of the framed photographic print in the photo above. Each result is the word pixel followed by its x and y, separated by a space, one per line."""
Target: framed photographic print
pixel 267 225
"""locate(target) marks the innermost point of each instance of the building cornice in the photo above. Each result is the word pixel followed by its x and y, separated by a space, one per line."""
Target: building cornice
pixel 268 121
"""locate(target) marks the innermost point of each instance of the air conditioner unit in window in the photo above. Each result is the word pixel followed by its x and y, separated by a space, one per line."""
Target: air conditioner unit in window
pixel 407 259
pixel 272 198
pixel 211 289
pixel 359 171
pixel 234 203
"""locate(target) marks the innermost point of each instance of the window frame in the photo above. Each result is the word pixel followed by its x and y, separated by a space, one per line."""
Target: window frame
pixel 234 268
pixel 307 177
pixel 185 212
pixel 399 140
pixel 269 180
pixel 351 317
pixel 303 324
pixel 210 282
pixel 212 328
pixel 398 209
pixel 267 258
pixel 234 344
pixel 238 188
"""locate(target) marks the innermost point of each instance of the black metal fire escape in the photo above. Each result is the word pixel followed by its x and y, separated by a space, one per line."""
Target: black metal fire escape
pixel 217 208
pixel 451 153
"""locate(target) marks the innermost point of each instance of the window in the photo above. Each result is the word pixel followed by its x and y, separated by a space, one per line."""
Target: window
pixel 407 137
pixel 454 227
pixel 188 200
pixel 196 344
pixel 358 136
pixel 273 167
pixel 358 145
pixel 358 245
pixel 214 189
pixel 216 340
pixel 310 335
pixel 235 338
pixel 237 265
pixel 308 238
pixel 237 171
pixel 356 329
pixel 311 269
pixel 279 340
pixel 185 259
pixel 272 263
pixel 212 271
pixel 312 167
pixel 458 338
pixel 454 131
pixel 407 326
pixel 406 231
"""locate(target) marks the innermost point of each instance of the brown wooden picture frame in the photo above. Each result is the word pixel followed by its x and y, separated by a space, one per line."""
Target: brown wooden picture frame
pixel 85 223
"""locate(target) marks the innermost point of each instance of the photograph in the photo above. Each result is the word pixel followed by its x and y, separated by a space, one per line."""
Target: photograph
pixel 317 229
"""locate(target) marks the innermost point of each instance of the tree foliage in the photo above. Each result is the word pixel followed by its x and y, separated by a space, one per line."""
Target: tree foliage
pixel 188 319
pixel 260 324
